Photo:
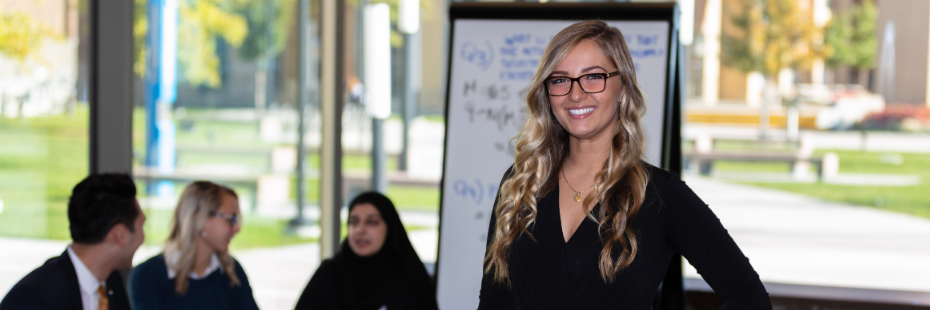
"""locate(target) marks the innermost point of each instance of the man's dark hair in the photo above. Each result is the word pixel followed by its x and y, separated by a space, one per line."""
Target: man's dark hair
pixel 100 202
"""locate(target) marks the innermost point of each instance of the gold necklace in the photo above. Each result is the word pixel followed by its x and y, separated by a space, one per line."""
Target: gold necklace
pixel 577 196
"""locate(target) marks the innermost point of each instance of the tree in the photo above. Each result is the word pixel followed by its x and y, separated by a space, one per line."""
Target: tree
pixel 270 21
pixel 772 35
pixel 852 36
pixel 200 24
pixel 262 15
pixel 21 35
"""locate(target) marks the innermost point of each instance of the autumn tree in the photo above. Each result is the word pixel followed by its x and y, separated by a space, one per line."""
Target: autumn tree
pixel 769 36
pixel 21 35
pixel 200 24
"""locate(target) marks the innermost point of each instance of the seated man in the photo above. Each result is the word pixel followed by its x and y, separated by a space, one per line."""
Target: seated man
pixel 106 229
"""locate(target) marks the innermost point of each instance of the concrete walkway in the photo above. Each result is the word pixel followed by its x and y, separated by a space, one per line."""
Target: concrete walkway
pixel 796 239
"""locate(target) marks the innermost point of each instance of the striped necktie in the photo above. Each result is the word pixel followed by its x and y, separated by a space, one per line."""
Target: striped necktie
pixel 104 303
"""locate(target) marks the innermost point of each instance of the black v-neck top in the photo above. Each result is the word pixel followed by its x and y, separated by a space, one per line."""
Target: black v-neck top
pixel 549 273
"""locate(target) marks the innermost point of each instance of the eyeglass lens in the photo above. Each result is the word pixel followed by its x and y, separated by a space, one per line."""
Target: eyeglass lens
pixel 590 83
pixel 231 218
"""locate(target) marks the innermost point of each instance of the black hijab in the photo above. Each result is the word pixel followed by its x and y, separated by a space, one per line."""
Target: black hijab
pixel 394 277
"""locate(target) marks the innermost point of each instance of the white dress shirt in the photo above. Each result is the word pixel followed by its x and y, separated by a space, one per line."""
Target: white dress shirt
pixel 214 266
pixel 87 281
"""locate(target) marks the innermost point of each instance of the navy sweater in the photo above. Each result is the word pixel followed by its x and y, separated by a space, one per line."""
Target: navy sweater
pixel 150 288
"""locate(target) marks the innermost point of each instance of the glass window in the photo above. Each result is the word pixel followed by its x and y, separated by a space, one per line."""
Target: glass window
pixel 217 100
pixel 412 169
pixel 817 167
pixel 43 128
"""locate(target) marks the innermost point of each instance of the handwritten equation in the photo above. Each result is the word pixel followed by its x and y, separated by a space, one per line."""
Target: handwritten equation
pixel 520 54
pixel 491 91
pixel 478 54
pixel 643 47
pixel 475 191
pixel 502 116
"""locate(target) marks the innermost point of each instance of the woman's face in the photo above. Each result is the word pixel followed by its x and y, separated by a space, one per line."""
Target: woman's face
pixel 220 231
pixel 367 230
pixel 586 115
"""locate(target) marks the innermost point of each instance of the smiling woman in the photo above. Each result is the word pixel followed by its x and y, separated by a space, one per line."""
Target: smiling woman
pixel 581 221
pixel 196 258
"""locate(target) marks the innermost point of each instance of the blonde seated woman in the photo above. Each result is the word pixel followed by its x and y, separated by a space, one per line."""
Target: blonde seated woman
pixel 196 270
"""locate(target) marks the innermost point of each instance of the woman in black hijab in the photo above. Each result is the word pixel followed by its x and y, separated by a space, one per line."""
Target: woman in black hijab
pixel 376 268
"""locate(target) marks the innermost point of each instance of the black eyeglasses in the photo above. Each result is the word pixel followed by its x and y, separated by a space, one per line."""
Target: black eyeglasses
pixel 589 83
pixel 231 218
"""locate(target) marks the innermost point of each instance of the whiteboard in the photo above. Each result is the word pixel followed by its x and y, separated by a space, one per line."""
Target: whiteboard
pixel 491 65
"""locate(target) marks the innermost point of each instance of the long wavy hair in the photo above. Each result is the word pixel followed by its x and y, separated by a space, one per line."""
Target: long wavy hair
pixel 198 200
pixel 542 146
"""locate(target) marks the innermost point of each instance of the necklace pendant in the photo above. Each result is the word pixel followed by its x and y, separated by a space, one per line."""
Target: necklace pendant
pixel 577 197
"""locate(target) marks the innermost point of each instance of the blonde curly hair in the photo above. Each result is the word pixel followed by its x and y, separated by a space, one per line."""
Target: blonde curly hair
pixel 542 146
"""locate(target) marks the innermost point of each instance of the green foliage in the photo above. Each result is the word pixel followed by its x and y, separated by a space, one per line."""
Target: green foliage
pixel 257 14
pixel 771 35
pixel 836 35
pixel 852 36
pixel 140 26
pixel 21 35
pixel 200 24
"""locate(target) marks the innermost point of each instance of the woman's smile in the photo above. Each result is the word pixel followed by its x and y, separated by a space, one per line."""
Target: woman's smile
pixel 579 112
pixel 586 115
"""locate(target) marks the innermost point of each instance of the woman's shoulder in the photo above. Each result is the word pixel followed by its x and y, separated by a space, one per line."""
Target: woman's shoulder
pixel 154 263
pixel 237 265
pixel 150 270
pixel 658 175
pixel 662 183
pixel 508 173
pixel 239 270
pixel 326 272
pixel 328 265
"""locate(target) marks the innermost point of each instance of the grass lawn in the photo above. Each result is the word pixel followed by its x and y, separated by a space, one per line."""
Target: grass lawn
pixel 41 159
pixel 913 200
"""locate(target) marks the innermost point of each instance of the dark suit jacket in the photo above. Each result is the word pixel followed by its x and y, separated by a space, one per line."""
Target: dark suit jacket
pixel 54 285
